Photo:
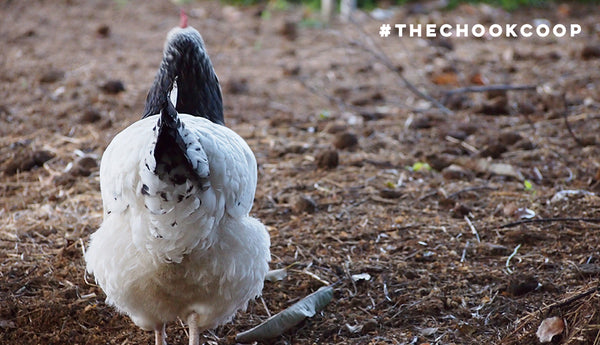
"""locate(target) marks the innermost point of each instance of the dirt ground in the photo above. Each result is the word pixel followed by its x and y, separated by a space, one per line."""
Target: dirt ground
pixel 407 223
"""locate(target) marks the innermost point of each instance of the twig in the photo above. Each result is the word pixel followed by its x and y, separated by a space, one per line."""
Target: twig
pixel 468 147
pixel 265 306
pixel 549 220
pixel 469 189
pixel 332 99
pixel 463 257
pixel 380 55
pixel 314 276
pixel 574 298
pixel 510 258
pixel 473 230
pixel 565 115
pixel 486 88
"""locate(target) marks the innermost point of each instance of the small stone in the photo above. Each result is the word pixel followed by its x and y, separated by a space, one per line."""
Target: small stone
pixel 345 140
pixel 522 285
pixel 367 99
pixel 460 211
pixel 334 128
pixel 103 30
pixel 371 115
pixel 52 76
pixel 90 115
pixel 113 87
pixel 237 86
pixel 588 140
pixel 591 51
pixel 26 161
pixel 328 159
pixel 438 162
pixel 369 326
pixel 509 138
pixel 67 180
pixel 456 172
pixel 468 128
pixel 289 30
pixel 494 150
pixel 304 204
pixel 457 134
pixel 526 145
pixel 84 166
pixel 496 106
pixel 291 70
pixel 388 193
pixel 421 122
pixel 293 148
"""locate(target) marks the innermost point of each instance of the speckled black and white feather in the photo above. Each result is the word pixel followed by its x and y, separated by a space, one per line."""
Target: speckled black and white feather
pixel 177 190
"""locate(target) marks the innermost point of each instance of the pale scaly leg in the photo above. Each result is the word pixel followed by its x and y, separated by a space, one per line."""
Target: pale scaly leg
pixel 160 336
pixel 194 331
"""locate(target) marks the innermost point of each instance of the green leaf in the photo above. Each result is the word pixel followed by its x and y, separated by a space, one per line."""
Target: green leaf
pixel 265 15
pixel 324 115
pixel 418 166
pixel 528 185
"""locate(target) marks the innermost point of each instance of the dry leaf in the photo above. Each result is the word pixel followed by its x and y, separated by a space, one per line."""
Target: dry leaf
pixel 549 328
pixel 478 79
pixel 446 78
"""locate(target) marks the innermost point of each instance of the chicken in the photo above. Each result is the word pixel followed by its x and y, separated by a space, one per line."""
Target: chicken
pixel 177 187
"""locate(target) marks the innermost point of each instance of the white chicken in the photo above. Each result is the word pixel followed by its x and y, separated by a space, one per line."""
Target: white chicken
pixel 177 187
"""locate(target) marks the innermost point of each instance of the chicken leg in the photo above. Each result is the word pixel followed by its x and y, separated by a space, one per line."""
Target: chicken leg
pixel 160 336
pixel 194 331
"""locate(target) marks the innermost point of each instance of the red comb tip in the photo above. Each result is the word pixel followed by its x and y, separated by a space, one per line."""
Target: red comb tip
pixel 183 19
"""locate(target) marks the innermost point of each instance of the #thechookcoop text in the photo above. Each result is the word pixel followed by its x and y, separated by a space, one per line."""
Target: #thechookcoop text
pixel 479 30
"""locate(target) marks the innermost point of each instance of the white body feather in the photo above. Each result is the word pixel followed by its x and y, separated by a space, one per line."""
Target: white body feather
pixel 166 250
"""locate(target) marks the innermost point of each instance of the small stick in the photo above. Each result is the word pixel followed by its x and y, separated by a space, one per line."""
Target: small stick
pixel 332 99
pixel 469 189
pixel 473 230
pixel 574 298
pixel 464 253
pixel 510 258
pixel 486 88
pixel 314 276
pixel 265 306
pixel 468 147
pixel 569 129
pixel 549 220
pixel 380 55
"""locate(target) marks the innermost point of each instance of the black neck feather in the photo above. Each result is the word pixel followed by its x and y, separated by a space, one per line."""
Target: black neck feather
pixel 186 62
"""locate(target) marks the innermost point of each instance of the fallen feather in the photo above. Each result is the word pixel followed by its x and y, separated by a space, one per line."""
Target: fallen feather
pixel 361 276
pixel 549 328
pixel 524 213
pixel 565 194
pixel 353 329
pixel 510 257
pixel 288 318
